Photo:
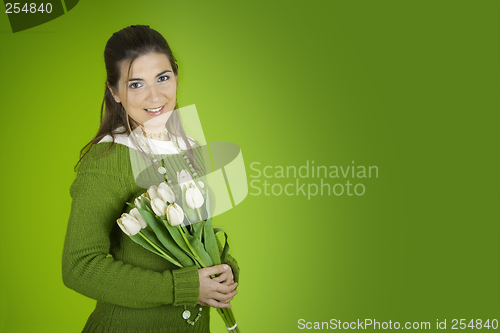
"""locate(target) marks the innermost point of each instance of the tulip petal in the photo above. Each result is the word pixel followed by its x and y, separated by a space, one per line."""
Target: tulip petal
pixel 137 203
pixel 159 207
pixel 135 213
pixel 129 224
pixel 175 215
pixel 165 193
pixel 194 198
pixel 183 178
pixel 124 229
pixel 153 192
pixel 190 214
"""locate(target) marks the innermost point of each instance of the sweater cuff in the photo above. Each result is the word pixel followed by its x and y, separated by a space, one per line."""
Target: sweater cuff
pixel 186 286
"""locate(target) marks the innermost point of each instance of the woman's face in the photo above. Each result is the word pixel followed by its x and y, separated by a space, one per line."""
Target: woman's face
pixel 148 94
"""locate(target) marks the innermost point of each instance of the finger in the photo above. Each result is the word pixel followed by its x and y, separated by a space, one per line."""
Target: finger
pixel 220 278
pixel 226 289
pixel 215 269
pixel 226 297
pixel 230 279
pixel 227 275
pixel 215 304
pixel 227 282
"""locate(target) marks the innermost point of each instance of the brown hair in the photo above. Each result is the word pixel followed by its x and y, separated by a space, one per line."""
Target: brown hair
pixel 127 45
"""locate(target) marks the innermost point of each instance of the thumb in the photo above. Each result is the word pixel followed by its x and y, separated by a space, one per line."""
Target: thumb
pixel 216 269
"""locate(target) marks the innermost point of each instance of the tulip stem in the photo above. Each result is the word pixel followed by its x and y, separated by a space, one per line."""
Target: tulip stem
pixel 164 255
pixel 199 215
pixel 183 227
pixel 190 247
pixel 231 317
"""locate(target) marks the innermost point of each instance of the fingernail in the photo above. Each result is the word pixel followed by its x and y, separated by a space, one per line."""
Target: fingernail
pixel 225 267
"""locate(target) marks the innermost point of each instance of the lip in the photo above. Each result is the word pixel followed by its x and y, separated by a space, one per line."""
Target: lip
pixel 156 113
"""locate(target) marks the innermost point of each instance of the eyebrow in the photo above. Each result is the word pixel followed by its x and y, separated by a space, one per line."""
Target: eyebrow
pixel 160 74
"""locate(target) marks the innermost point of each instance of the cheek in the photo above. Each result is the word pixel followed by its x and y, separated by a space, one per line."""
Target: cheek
pixel 135 109
pixel 137 99
pixel 170 89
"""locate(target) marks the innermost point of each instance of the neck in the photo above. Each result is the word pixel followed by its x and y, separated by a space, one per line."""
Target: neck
pixel 156 133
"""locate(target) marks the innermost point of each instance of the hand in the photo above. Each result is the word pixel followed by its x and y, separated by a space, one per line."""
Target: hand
pixel 213 293
pixel 226 277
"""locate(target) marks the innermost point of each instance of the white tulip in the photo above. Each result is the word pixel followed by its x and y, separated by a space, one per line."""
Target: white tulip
pixel 129 224
pixel 159 206
pixel 194 198
pixel 137 203
pixel 175 215
pixel 135 213
pixel 153 192
pixel 165 193
pixel 184 179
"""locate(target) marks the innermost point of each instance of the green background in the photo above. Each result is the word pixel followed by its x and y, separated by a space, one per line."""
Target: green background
pixel 409 86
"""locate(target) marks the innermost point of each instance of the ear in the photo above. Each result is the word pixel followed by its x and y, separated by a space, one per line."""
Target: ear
pixel 115 96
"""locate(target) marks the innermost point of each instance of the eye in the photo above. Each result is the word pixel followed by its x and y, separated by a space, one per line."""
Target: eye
pixel 135 85
pixel 163 78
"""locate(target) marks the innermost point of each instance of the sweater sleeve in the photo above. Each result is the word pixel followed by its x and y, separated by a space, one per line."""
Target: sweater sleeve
pixel 98 199
pixel 231 262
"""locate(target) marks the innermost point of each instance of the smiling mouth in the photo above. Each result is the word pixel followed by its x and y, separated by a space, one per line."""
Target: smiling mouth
pixel 155 111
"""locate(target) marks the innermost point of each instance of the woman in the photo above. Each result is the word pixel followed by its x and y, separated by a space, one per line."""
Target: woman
pixel 136 290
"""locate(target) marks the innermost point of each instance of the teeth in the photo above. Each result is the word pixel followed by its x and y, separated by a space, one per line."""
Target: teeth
pixel 154 110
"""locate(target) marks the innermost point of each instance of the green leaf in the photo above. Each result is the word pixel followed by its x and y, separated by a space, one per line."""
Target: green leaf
pixel 132 206
pixel 178 239
pixel 159 249
pixel 145 204
pixel 210 242
pixel 205 209
pixel 183 228
pixel 141 241
pixel 198 229
pixel 200 250
pixel 225 250
pixel 166 239
pixel 148 232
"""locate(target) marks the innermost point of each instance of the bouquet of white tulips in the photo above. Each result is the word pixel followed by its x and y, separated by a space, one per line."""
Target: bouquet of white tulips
pixel 158 223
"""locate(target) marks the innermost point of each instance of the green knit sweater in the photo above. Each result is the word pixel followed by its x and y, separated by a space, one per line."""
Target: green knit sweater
pixel 136 290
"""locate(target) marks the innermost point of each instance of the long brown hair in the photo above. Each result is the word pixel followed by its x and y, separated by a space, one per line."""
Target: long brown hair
pixel 127 45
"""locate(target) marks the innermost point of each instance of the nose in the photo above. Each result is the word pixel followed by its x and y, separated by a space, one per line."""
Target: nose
pixel 153 94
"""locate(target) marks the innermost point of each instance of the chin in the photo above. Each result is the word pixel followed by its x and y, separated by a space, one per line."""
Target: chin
pixel 159 120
